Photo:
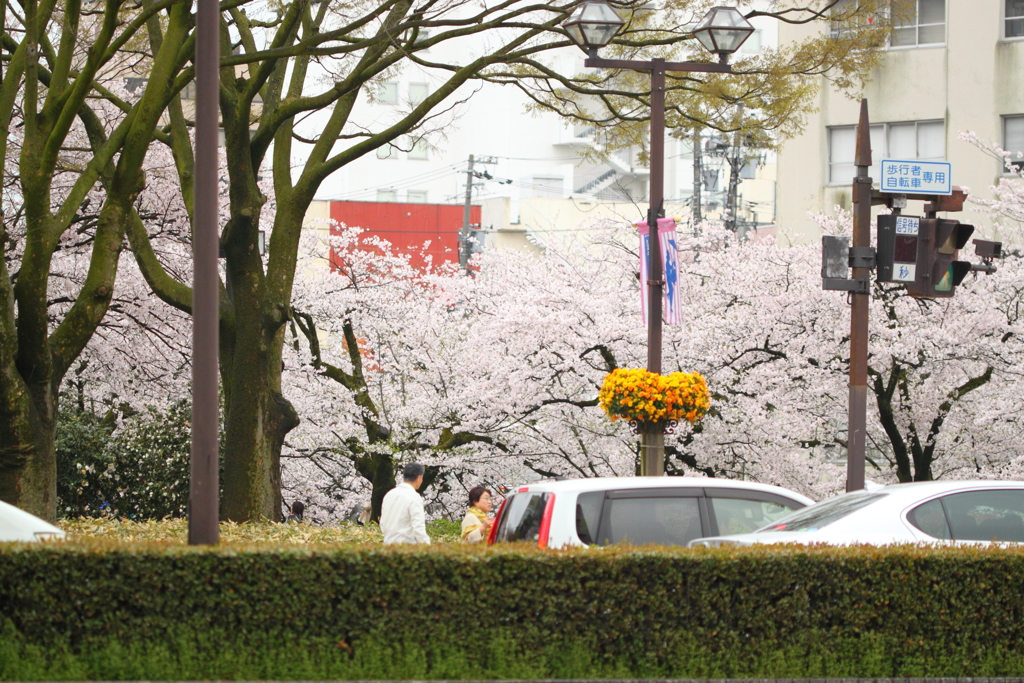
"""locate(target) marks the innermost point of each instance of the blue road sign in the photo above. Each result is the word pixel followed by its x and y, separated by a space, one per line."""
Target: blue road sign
pixel 907 176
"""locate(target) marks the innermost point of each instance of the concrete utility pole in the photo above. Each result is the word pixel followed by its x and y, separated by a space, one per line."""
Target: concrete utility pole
pixel 204 484
pixel 857 426
pixel 464 234
pixel 735 165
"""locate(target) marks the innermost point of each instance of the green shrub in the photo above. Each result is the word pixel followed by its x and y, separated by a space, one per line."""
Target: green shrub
pixel 455 611
pixel 138 471
pixel 84 467
pixel 151 454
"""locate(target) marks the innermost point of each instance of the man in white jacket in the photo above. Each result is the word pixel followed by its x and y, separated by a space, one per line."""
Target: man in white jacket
pixel 402 518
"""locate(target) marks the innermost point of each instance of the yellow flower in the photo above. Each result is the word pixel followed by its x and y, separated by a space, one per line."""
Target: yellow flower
pixel 639 395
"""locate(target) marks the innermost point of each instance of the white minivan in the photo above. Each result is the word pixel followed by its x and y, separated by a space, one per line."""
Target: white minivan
pixel 638 510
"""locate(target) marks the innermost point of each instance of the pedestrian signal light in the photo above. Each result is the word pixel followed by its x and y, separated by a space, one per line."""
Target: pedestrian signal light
pixel 898 247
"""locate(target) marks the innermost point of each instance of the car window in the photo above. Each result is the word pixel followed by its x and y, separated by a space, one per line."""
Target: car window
pixel 986 515
pixel 588 515
pixel 661 520
pixel 823 514
pixel 522 516
pixel 930 519
pixel 741 516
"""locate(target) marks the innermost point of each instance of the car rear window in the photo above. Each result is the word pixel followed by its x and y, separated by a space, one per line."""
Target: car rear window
pixel 660 520
pixel 931 519
pixel 522 517
pixel 986 515
pixel 823 514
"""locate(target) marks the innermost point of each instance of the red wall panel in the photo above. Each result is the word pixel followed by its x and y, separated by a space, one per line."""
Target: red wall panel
pixel 408 226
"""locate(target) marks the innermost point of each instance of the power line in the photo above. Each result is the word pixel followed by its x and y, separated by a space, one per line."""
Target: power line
pixel 399 184
pixel 573 158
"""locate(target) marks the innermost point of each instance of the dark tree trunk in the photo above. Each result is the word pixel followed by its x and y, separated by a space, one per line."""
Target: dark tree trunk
pixel 27 443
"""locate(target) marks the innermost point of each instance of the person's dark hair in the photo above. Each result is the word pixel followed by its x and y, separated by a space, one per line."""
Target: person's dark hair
pixel 298 508
pixel 475 493
pixel 412 471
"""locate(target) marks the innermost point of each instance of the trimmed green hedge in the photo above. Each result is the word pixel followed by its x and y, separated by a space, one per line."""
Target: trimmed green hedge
pixel 359 612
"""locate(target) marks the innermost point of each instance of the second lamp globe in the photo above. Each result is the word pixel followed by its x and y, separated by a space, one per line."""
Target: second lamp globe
pixel 594 23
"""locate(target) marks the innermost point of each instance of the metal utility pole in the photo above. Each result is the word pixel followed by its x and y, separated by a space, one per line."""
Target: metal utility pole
pixel 204 484
pixel 857 423
pixel 466 218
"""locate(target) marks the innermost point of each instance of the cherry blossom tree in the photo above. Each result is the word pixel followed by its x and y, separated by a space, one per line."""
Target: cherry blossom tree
pixel 64 134
pixel 514 356
pixel 298 73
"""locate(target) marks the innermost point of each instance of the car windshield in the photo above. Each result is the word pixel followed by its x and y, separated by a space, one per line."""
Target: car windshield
pixel 821 515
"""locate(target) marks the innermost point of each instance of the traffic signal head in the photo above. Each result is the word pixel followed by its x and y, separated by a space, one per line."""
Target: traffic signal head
pixel 938 270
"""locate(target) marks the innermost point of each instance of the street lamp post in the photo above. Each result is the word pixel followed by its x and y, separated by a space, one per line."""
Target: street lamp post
pixel 204 486
pixel 722 31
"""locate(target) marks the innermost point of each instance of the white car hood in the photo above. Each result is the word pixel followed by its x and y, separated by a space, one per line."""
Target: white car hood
pixel 18 525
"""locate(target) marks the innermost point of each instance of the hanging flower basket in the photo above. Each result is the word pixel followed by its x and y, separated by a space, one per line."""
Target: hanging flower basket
pixel 653 401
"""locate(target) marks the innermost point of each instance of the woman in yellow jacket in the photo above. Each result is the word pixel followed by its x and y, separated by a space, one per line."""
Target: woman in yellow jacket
pixel 476 524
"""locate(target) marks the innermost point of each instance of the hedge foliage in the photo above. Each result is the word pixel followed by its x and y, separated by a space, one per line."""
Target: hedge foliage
pixel 355 611
pixel 175 530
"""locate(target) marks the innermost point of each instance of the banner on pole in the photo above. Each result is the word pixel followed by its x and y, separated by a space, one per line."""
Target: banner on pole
pixel 645 247
pixel 672 313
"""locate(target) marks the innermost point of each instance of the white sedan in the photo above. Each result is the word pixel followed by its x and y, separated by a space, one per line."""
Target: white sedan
pixel 945 512
pixel 18 525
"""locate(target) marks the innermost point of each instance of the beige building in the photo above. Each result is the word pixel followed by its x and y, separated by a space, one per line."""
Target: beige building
pixel 958 68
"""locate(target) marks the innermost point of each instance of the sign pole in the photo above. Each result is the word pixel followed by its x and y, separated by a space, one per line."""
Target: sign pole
pixel 857 421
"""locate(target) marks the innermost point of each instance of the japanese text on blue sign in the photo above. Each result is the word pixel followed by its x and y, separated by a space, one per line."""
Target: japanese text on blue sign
pixel 916 177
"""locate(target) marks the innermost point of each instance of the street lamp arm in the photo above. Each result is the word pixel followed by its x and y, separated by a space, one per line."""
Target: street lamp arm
pixel 636 65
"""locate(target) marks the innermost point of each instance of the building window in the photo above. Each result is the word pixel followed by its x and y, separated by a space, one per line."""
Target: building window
pixel 416 196
pixel 926 27
pixel 387 151
pixel 752 45
pixel 848 20
pixel 419 150
pixel 921 140
pixel 418 92
pixel 388 93
pixel 1013 139
pixel 1013 26
pixel 387 195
